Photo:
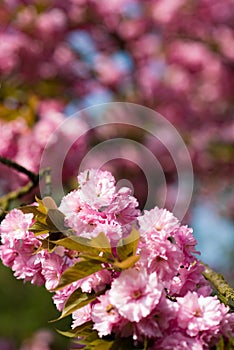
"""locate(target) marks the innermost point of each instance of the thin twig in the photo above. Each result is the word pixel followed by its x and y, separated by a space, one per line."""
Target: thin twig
pixel 34 178
pixel 11 164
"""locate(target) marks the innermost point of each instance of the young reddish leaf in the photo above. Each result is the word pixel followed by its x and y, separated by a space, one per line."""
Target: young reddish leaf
pixel 49 203
pixel 55 221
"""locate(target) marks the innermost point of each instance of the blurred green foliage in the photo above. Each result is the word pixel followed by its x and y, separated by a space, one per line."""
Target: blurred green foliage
pixel 25 309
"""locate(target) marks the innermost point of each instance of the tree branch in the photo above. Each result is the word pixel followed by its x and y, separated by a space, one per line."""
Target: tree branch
pixel 11 164
pixel 34 181
pixel 224 292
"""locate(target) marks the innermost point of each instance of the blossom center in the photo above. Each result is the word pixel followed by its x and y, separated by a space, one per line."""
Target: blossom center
pixel 197 313
pixel 136 294
pixel 109 308
pixel 158 227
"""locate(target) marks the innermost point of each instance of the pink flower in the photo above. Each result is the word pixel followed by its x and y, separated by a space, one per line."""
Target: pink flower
pixel 104 315
pixel 60 297
pixel 135 294
pixel 186 241
pixel 81 316
pixel 97 188
pixel 71 204
pixel 96 207
pixel 97 281
pixel 190 278
pixel 15 227
pixel 159 221
pixel 124 207
pixel 198 313
pixel 160 254
pixel 27 266
pixel 177 341
pixel 147 327
pixel 19 246
pixel 52 268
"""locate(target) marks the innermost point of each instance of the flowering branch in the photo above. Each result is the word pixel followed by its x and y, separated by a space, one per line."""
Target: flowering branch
pixel 129 280
pixel 222 288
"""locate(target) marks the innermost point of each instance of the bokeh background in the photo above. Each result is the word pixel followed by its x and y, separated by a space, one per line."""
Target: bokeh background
pixel 174 56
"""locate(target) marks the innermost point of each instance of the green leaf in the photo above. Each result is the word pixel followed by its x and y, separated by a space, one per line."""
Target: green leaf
pixel 77 300
pixel 102 243
pixel 87 248
pixel 39 211
pixel 126 264
pixel 42 210
pixel 128 246
pixel 110 344
pixel 82 331
pixel 220 345
pixel 78 271
pixel 101 344
pixel 80 244
pixel 39 228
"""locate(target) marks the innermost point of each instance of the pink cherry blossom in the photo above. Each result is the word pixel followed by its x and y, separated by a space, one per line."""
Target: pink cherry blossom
pixel 199 313
pixel 188 278
pixel 15 227
pixel 97 188
pixel 135 294
pixel 96 282
pixel 81 316
pixel 185 240
pixel 177 341
pixel 60 296
pixel 124 207
pixel 105 315
pixel 159 221
pixel 160 255
pixel 52 268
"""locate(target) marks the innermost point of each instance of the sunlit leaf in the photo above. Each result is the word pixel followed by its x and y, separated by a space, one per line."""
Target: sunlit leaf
pixel 81 331
pixel 78 271
pixel 220 345
pixel 128 246
pixel 126 264
pixel 77 300
pixel 39 228
pixel 101 242
pixel 87 246
pixel 80 244
pixel 39 211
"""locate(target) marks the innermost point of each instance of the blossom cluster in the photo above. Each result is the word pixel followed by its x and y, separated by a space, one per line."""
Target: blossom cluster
pixel 145 284
pixel 175 57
